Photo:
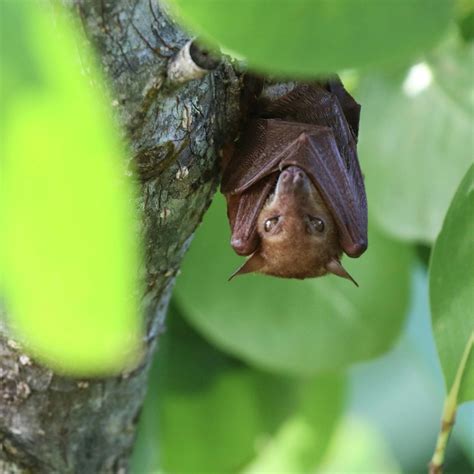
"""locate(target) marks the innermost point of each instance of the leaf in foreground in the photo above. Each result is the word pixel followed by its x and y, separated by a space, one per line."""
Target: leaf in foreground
pixel 452 288
pixel 452 307
pixel 69 256
pixel 308 37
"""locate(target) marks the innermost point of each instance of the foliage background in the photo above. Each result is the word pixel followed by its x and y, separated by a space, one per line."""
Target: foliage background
pixel 263 375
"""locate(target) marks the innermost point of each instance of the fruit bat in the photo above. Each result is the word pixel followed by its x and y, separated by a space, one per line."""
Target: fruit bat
pixel 294 189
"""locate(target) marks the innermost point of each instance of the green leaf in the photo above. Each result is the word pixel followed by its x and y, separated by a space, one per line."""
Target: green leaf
pixel 18 58
pixel 302 439
pixel 452 66
pixel 465 19
pixel 293 326
pixel 466 26
pixel 357 447
pixel 68 251
pixel 307 37
pixel 451 288
pixel 416 144
pixel 210 413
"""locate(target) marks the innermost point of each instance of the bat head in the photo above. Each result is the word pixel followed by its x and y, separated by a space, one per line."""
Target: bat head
pixel 298 235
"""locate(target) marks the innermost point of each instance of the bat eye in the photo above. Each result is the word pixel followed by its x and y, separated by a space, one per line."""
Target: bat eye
pixel 315 224
pixel 270 224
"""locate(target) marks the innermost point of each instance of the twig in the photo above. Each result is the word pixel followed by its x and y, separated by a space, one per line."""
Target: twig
pixel 449 413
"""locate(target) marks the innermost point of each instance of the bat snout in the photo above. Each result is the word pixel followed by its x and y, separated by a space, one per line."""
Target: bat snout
pixel 292 173
pixel 292 179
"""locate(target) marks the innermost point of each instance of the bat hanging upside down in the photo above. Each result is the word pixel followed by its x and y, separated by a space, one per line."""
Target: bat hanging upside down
pixel 295 193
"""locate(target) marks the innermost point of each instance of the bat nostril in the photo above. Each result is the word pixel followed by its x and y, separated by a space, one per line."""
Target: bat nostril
pixel 285 175
pixel 298 177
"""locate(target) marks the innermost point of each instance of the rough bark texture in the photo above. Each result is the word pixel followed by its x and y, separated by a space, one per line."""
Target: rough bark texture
pixel 53 424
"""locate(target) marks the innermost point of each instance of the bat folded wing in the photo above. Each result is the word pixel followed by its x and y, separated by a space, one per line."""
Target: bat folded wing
pixel 269 145
pixel 259 152
pixel 243 210
pixel 349 106
pixel 339 180
pixel 251 174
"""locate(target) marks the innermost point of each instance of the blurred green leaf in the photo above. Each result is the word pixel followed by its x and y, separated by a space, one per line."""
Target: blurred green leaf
pixel 464 10
pixel 451 287
pixel 293 326
pixel 466 26
pixel 20 65
pixel 210 413
pixel 453 68
pixel 302 439
pixel 307 37
pixel 68 252
pixel 357 447
pixel 416 144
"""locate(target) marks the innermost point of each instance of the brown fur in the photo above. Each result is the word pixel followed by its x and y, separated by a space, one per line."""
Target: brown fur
pixel 289 250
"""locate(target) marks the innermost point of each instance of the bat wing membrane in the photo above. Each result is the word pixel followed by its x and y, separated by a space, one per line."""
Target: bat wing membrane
pixel 243 210
pixel 252 173
pixel 349 106
pixel 339 182
pixel 269 145
pixel 262 146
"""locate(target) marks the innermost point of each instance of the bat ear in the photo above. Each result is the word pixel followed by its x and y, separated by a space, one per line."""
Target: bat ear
pixel 335 267
pixel 252 264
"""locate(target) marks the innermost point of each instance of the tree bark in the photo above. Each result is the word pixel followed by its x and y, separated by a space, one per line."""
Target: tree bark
pixel 55 424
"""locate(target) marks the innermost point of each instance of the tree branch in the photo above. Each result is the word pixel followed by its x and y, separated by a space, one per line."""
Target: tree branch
pixel 54 424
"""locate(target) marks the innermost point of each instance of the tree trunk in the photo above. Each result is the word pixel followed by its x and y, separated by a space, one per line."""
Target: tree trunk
pixel 55 424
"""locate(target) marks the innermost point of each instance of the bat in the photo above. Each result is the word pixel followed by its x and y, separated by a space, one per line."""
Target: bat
pixel 295 193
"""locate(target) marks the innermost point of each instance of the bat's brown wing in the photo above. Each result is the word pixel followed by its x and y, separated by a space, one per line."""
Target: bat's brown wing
pixel 264 143
pixel 269 145
pixel 349 106
pixel 327 105
pixel 339 182
pixel 245 162
pixel 252 173
pixel 243 210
